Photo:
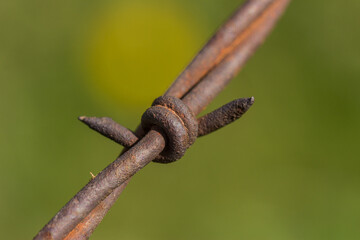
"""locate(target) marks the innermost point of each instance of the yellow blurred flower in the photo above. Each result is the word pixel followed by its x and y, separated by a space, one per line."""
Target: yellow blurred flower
pixel 135 50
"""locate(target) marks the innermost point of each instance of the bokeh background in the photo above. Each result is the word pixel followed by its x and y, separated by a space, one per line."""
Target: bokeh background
pixel 288 170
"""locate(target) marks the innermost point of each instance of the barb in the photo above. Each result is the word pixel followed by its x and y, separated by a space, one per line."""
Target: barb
pixel 102 185
pixel 216 80
pixel 224 116
pixel 101 127
pixel 111 129
pixel 203 79
pixel 206 124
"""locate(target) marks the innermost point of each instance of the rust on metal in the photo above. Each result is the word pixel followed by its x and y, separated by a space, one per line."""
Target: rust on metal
pixel 216 80
pixel 221 44
pixel 224 115
pixel 103 184
pixel 111 129
pixel 81 231
pixel 183 112
pixel 211 70
pixel 178 123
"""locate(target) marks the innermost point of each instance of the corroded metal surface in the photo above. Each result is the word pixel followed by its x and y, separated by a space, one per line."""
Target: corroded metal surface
pixel 224 116
pixel 183 112
pixel 84 229
pixel 178 123
pixel 111 129
pixel 102 185
pixel 216 80
pixel 220 45
pixel 212 69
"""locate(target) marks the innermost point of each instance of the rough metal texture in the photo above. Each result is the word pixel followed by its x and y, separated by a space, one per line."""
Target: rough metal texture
pixel 220 45
pixel 102 185
pixel 218 77
pixel 174 118
pixel 111 129
pixel 183 112
pixel 224 115
pixel 89 223
pixel 208 74
pixel 178 123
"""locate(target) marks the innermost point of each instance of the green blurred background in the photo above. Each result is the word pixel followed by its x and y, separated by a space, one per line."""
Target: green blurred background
pixel 288 170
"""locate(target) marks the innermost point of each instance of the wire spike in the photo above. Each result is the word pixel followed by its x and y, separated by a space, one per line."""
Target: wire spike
pixel 111 129
pixel 224 115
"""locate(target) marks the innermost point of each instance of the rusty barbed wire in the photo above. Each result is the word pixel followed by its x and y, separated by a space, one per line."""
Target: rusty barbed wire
pixel 167 137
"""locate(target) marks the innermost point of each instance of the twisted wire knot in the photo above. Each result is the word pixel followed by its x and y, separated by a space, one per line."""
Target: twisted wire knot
pixel 171 117
pixel 176 121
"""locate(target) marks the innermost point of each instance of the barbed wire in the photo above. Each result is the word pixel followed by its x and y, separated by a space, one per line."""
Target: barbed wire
pixel 169 126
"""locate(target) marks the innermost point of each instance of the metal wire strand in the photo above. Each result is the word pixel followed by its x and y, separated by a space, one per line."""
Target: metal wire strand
pixel 222 57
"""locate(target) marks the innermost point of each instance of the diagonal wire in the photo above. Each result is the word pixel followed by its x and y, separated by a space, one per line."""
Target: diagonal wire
pixel 212 69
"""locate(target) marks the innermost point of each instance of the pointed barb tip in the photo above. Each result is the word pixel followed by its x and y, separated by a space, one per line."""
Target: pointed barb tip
pixel 239 106
pixel 252 100
pixel 82 118
pixel 111 129
pixel 224 116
